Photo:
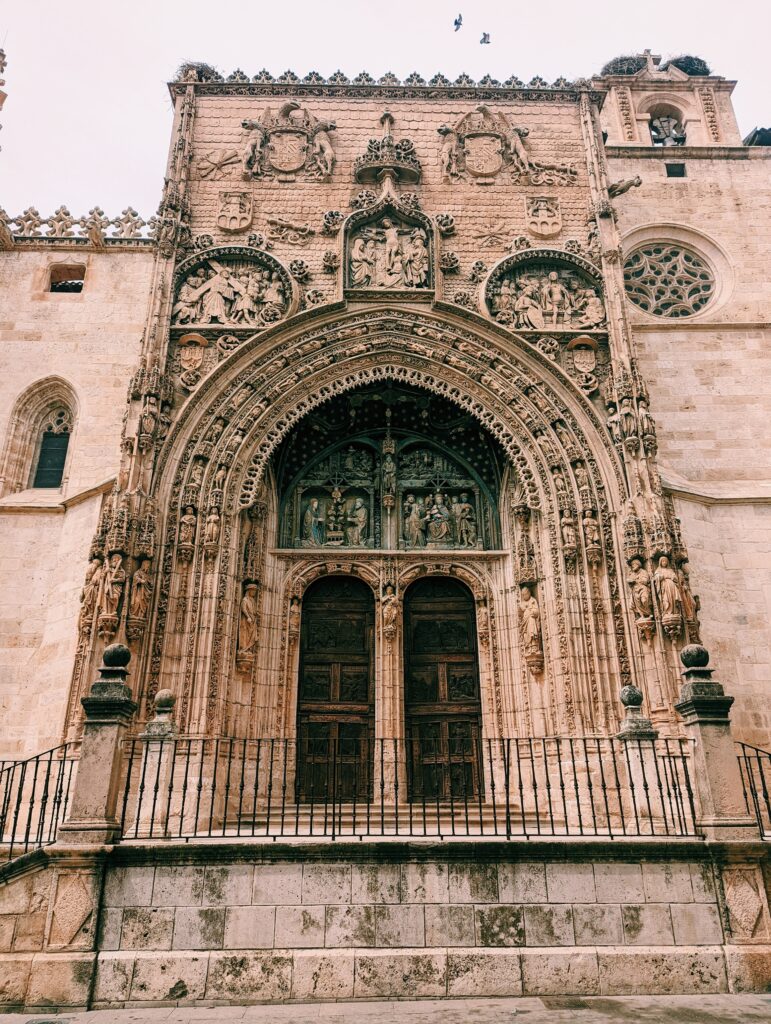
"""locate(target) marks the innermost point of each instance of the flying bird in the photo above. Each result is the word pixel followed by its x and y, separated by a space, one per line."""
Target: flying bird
pixel 458 22
pixel 485 38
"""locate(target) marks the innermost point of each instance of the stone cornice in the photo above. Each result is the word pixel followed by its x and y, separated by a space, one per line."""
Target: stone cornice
pixel 650 152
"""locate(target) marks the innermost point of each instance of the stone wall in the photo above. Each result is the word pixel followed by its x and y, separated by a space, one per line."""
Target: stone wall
pixel 91 341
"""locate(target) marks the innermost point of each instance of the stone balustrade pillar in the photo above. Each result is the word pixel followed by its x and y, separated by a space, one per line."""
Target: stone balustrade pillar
pixel 154 809
pixel 109 708
pixel 704 707
pixel 639 739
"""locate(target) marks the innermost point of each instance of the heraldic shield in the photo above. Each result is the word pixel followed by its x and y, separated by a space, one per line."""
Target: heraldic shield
pixel 484 154
pixel 287 150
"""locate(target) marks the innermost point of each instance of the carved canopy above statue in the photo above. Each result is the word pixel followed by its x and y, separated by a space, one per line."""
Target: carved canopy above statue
pixel 236 286
pixel 546 289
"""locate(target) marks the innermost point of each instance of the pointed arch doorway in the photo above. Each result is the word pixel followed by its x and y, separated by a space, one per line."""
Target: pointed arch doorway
pixel 443 711
pixel 335 700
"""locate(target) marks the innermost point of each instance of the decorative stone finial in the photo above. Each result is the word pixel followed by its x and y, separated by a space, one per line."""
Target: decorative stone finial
pixel 110 691
pixel 162 724
pixel 631 697
pixel 694 656
pixel 116 656
pixel 635 725
pixel 164 702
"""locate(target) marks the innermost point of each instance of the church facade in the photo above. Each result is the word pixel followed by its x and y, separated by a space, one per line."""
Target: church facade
pixel 406 456
pixel 390 344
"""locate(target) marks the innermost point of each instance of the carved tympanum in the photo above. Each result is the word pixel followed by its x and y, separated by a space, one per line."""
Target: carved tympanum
pixel 240 291
pixel 542 294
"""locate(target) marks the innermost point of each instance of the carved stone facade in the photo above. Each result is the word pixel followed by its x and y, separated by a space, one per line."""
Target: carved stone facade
pixel 431 355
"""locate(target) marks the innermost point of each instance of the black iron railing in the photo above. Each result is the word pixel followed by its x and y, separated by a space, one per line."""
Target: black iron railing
pixel 186 787
pixel 755 768
pixel 34 797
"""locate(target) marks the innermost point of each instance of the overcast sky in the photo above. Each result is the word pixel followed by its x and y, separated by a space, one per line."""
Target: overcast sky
pixel 88 114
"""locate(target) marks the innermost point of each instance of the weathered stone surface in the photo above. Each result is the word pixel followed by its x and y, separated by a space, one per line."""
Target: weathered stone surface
pixel 667 882
pixel 277 883
pixel 249 927
pixel 400 926
pixel 30 932
pixel 683 970
pixel 489 972
pixel 411 974
pixel 473 883
pixel 299 927
pixel 7 927
pixel 549 925
pixel 618 883
pixel 375 883
pixel 250 977
pixel 60 979
pixel 326 883
pixel 424 883
pixel 597 925
pixel 178 886
pixel 570 883
pixel 522 883
pixel 352 926
pixel 696 924
pixel 198 928
pixel 748 968
pixel 703 882
pixel 322 975
pixel 147 928
pixel 14 977
pixel 228 886
pixel 449 924
pixel 501 925
pixel 110 924
pixel 179 978
pixel 647 924
pixel 114 971
pixel 570 972
pixel 129 887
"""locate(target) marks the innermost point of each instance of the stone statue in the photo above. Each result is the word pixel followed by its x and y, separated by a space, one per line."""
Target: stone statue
pixel 294 616
pixel 448 155
pixel 647 426
pixel 666 584
pixel 467 529
pixel 414 522
pixel 219 477
pixel 640 581
pixel 219 292
pixel 390 603
pixel 187 526
pixel 438 521
pixel 689 602
pixel 555 298
pixel 211 534
pixel 90 592
pixel 415 260
pixel 362 262
pixel 618 188
pixel 356 530
pixel 252 154
pixel 149 416
pixel 591 308
pixel 628 422
pixel 530 622
pixel 323 152
pixel 141 585
pixel 591 530
pixel 196 474
pixel 568 529
pixel 313 524
pixel 247 626
pixel 389 475
pixel 527 307
pixel 114 582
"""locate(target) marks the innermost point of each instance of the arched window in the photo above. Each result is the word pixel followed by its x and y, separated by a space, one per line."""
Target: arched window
pixel 52 454
pixel 37 440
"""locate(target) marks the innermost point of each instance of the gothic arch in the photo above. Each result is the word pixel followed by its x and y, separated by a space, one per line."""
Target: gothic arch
pixel 32 410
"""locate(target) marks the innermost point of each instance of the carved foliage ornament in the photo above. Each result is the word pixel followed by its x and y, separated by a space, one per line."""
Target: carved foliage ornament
pixel 237 287
pixel 668 280
pixel 280 145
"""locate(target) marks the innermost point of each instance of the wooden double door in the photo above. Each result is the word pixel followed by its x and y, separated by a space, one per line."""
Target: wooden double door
pixel 441 691
pixel 336 747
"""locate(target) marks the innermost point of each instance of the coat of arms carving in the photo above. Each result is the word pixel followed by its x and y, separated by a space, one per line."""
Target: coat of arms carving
pixel 483 143
pixel 544 218
pixel 284 144
pixel 235 212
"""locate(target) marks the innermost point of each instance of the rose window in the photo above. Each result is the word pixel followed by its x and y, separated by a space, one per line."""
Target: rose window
pixel 668 280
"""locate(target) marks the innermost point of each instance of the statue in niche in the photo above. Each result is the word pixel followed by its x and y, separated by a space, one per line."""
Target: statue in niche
pixel 148 419
pixel 389 254
pixel 356 529
pixel 591 530
pixel 90 592
pixel 613 424
pixel 542 295
pixel 313 524
pixel 689 602
pixel 187 527
pixel 627 419
pixel 647 426
pixel 196 474
pixel 530 624
pixel 295 614
pixel 568 529
pixel 414 522
pixel 141 585
pixel 211 533
pixel 466 522
pixel 390 603
pixel 114 582
pixel 237 292
pixel 219 477
pixel 248 620
pixel 640 581
pixel 389 474
pixel 667 589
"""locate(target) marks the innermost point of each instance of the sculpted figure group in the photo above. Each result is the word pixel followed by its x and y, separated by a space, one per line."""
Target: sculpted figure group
pixel 439 520
pixel 245 297
pixel 339 523
pixel 535 300
pixel 388 255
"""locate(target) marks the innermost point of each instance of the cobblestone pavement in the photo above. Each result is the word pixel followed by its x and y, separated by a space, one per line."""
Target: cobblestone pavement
pixel 741 1009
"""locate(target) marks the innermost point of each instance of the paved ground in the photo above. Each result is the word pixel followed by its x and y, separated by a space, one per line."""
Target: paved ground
pixel 547 1010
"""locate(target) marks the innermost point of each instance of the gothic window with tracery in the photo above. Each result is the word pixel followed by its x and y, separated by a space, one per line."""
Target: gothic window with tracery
pixel 37 441
pixel 52 454
pixel 668 280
